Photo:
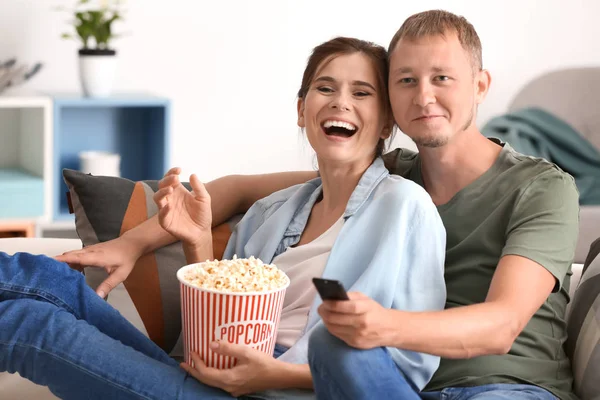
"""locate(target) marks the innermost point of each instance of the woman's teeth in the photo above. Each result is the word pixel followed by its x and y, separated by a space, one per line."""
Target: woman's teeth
pixel 339 124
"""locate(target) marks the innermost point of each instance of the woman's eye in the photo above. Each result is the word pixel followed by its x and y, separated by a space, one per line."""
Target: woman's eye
pixel 362 94
pixel 325 89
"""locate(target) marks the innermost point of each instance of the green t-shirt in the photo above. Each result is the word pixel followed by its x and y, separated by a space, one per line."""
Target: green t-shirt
pixel 524 206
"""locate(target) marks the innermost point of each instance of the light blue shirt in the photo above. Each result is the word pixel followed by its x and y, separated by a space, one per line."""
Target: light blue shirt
pixel 391 248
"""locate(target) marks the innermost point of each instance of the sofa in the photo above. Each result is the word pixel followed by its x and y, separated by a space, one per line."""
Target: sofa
pixel 12 386
pixel 575 105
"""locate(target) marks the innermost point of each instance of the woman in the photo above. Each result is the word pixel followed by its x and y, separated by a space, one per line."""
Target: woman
pixel 355 223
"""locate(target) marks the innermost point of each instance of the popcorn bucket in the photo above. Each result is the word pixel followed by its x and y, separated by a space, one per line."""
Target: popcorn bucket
pixel 249 318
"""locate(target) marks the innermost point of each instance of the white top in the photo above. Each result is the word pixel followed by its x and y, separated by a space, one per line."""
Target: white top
pixel 301 264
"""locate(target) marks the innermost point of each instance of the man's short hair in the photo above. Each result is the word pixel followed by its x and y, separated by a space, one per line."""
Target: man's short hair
pixel 440 22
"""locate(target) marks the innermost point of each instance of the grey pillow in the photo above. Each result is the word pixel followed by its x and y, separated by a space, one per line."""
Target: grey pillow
pixel 583 328
pixel 105 208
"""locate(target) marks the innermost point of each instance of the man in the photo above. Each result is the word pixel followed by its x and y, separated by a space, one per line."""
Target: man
pixel 511 224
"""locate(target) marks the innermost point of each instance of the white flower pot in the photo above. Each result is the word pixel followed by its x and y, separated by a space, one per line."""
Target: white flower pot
pixel 97 71
pixel 100 163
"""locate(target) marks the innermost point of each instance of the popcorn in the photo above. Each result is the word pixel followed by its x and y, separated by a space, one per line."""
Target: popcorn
pixel 239 275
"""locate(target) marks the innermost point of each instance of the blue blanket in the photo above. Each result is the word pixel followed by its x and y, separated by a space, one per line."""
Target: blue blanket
pixel 537 133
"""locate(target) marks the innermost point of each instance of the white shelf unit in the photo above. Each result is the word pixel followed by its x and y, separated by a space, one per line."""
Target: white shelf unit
pixel 40 135
pixel 26 158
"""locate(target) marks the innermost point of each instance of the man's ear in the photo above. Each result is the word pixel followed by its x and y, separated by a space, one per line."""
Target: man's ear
pixel 483 82
pixel 300 107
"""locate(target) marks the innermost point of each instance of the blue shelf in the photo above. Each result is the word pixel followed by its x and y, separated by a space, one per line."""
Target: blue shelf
pixel 21 194
pixel 118 100
pixel 136 127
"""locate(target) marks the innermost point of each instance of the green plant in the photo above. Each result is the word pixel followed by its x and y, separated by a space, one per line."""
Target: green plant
pixel 94 23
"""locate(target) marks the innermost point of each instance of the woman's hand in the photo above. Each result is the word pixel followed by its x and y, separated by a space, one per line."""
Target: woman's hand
pixel 185 215
pixel 255 370
pixel 360 322
pixel 117 257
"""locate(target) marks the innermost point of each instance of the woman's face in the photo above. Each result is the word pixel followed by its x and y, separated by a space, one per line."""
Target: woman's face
pixel 341 111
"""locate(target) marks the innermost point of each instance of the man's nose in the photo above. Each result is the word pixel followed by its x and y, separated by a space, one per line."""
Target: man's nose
pixel 425 95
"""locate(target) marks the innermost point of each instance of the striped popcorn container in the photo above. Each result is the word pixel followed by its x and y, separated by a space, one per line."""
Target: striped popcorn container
pixel 250 318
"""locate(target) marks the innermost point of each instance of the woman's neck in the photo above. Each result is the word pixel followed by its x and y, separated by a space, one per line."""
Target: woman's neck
pixel 339 181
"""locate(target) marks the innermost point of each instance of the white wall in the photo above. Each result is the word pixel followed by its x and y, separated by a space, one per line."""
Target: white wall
pixel 232 67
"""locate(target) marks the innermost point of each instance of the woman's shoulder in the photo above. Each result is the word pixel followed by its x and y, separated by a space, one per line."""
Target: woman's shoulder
pixel 401 189
pixel 276 199
pixel 402 200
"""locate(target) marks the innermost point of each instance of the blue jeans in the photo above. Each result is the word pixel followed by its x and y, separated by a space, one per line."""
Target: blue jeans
pixel 342 372
pixel 501 391
pixel 56 332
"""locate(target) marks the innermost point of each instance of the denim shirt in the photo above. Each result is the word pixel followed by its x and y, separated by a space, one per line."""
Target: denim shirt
pixel 391 248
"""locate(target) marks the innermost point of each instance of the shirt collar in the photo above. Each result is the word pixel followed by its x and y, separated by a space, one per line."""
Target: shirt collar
pixel 367 183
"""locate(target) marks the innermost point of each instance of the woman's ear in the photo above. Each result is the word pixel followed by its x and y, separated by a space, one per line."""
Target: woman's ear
pixel 387 129
pixel 300 107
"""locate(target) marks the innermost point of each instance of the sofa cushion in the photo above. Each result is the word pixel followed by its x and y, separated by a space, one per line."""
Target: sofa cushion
pixel 107 207
pixel 583 344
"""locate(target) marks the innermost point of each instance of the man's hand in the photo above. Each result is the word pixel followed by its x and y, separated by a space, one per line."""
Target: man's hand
pixel 255 370
pixel 360 322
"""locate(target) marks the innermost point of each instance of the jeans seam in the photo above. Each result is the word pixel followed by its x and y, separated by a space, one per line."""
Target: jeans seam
pixel 49 297
pixel 84 370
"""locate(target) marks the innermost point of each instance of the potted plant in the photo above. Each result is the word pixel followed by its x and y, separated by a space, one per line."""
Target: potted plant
pixel 97 59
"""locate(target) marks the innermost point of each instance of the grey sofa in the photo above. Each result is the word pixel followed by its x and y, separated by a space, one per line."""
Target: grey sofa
pixel 13 387
pixel 575 105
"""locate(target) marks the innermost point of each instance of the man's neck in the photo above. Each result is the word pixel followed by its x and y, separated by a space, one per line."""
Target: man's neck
pixel 450 168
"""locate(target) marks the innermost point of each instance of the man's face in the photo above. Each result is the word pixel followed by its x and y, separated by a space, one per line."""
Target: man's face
pixel 433 88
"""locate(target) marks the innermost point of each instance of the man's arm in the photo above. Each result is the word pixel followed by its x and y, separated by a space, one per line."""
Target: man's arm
pixel 519 288
pixel 539 248
pixel 230 195
pixel 543 227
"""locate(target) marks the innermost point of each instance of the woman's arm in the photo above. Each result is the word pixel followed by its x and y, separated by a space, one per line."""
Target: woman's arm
pixel 231 195
pixel 295 376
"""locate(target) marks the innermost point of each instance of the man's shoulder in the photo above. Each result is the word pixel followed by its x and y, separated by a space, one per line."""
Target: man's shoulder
pixel 527 170
pixel 400 161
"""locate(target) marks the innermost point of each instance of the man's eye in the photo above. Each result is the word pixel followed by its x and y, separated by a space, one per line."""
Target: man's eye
pixel 325 89
pixel 407 81
pixel 442 78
